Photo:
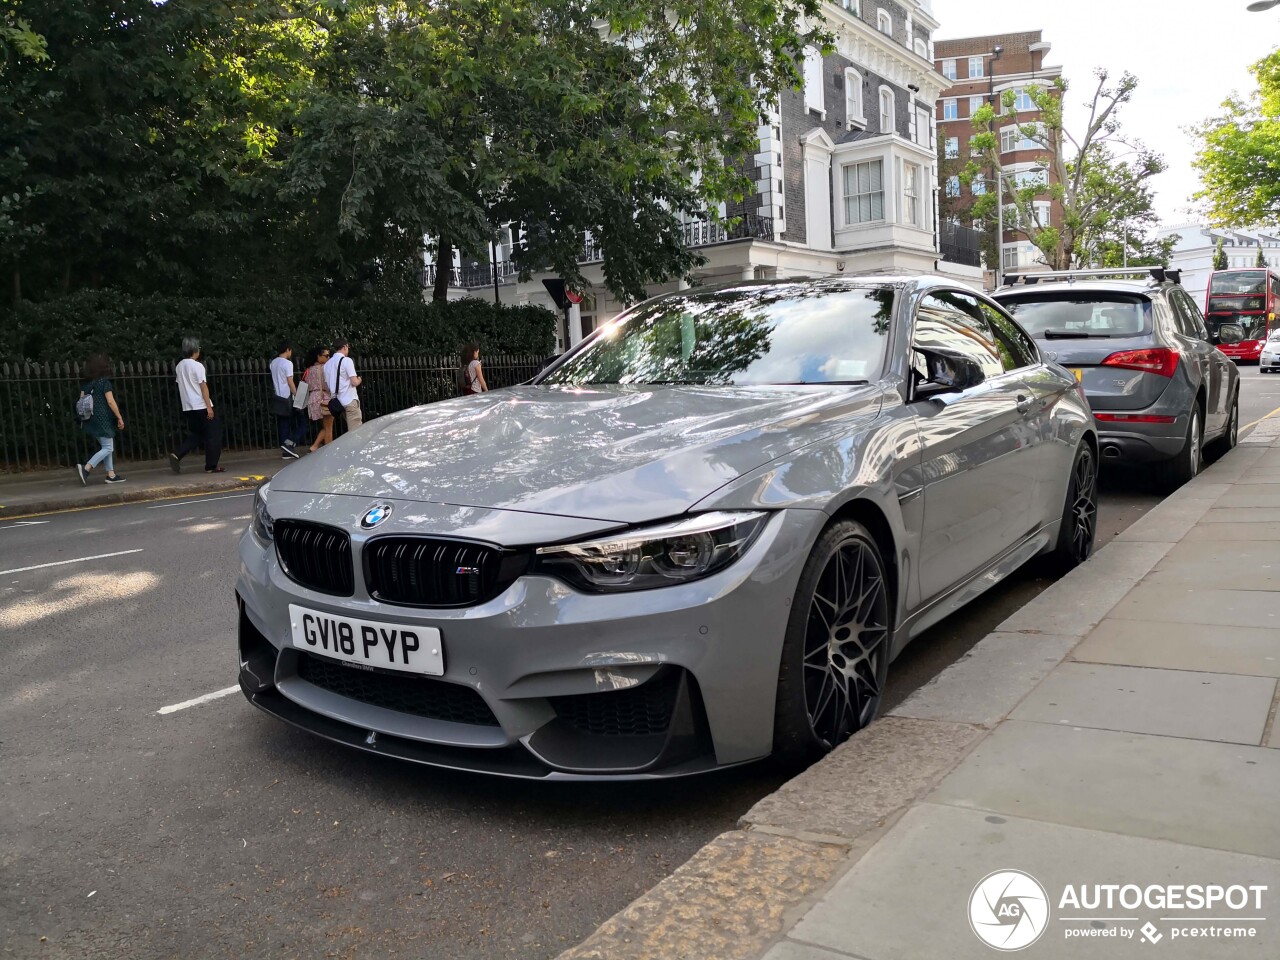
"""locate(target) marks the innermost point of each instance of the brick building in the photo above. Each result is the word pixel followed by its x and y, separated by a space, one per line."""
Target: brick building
pixel 846 173
pixel 979 70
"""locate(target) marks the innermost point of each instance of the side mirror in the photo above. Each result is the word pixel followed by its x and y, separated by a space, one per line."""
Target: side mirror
pixel 1230 333
pixel 949 372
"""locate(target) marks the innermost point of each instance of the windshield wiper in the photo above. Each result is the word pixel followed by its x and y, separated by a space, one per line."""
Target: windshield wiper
pixel 822 383
pixel 1074 335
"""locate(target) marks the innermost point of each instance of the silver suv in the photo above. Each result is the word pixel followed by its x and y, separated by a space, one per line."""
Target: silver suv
pixel 1161 391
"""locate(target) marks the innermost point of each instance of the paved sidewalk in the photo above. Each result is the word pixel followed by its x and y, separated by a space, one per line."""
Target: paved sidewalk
pixel 1118 730
pixel 48 491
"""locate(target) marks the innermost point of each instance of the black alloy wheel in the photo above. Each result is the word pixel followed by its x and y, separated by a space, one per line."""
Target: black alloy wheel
pixel 1230 437
pixel 1079 528
pixel 836 654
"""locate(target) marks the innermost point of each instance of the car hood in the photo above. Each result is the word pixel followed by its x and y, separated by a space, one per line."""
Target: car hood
pixel 619 453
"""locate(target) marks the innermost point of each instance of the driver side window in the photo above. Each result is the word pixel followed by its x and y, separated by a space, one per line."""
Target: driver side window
pixel 951 322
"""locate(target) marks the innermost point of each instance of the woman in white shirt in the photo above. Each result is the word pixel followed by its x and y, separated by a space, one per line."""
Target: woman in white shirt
pixel 470 373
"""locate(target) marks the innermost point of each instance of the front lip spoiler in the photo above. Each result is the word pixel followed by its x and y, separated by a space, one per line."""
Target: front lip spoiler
pixel 514 762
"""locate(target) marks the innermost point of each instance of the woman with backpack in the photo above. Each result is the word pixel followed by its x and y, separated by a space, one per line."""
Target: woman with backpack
pixel 99 417
pixel 470 374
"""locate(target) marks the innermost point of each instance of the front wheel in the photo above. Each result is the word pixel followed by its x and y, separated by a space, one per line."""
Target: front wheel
pixel 1182 468
pixel 1079 527
pixel 835 656
pixel 1225 443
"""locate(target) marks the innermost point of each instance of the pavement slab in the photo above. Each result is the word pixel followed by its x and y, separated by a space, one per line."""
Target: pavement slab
pixel 1170 703
pixel 865 780
pixel 1237 514
pixel 1214 529
pixel 1250 651
pixel 729 901
pixel 986 684
pixel 1083 597
pixel 790 950
pixel 1178 603
pixel 1163 788
pixel 908 897
pixel 1251 495
pixel 1223 565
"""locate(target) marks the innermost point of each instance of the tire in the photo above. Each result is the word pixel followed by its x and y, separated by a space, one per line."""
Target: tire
pixel 835 655
pixel 1219 448
pixel 1078 531
pixel 1175 472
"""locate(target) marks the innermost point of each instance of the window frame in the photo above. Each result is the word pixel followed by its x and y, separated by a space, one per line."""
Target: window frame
pixel 815 97
pixel 982 73
pixel 853 98
pixel 884 18
pixel 887 92
pixel 951 148
pixel 912 194
pixel 950 109
pixel 846 197
pixel 949 70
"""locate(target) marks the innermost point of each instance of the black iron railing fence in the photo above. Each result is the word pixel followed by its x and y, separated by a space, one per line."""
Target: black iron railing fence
pixel 960 244
pixel 38 427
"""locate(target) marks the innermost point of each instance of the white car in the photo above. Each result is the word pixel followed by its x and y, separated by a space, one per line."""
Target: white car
pixel 1269 359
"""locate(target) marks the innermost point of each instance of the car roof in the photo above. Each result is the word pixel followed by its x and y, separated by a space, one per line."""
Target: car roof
pixel 1137 287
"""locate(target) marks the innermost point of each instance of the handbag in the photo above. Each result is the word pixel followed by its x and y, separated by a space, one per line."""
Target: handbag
pixel 336 409
pixel 280 406
pixel 300 397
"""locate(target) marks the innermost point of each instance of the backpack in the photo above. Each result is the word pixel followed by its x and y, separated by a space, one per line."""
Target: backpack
pixel 84 407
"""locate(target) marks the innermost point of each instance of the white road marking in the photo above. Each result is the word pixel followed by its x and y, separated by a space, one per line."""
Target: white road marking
pixel 174 708
pixel 61 563
pixel 183 503
pixel 24 523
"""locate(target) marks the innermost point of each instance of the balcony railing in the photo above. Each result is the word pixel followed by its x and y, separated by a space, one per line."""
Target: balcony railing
pixel 700 233
pixel 473 275
pixel 960 244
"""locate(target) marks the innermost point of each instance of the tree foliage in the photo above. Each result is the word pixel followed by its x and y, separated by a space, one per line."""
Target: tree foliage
pixel 310 145
pixel 1239 153
pixel 1104 192
pixel 1219 256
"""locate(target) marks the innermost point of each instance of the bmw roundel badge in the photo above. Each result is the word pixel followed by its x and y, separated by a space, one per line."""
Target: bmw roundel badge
pixel 376 515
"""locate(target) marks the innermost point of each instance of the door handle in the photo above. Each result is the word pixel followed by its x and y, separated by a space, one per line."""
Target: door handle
pixel 1024 403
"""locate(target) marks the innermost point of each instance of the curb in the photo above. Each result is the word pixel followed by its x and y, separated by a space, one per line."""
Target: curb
pixel 111 498
pixel 745 888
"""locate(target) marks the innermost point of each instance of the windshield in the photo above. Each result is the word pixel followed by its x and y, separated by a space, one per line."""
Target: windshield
pixel 1254 324
pixel 746 336
pixel 1241 282
pixel 1082 314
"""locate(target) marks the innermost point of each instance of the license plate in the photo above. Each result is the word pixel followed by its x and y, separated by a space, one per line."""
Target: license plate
pixel 1079 374
pixel 369 643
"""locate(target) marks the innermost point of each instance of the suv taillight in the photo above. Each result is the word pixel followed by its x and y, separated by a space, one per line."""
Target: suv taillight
pixel 1159 361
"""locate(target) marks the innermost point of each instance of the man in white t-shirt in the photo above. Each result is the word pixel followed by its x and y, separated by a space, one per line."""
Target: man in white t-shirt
pixel 289 425
pixel 340 375
pixel 203 428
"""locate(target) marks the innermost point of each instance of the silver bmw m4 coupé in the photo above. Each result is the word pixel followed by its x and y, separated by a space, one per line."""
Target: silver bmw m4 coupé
pixel 696 540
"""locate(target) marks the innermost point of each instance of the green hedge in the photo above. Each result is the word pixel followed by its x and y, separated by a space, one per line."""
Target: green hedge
pixel 152 328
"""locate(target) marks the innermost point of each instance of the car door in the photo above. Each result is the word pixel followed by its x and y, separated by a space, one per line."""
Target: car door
pixel 976 458
pixel 1193 336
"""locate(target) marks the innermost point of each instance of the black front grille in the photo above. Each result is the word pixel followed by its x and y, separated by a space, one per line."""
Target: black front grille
pixel 635 712
pixel 429 572
pixel 316 556
pixel 419 696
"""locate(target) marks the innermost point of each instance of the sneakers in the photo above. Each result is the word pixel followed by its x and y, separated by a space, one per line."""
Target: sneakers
pixel 116 479
pixel 84 479
pixel 289 452
pixel 174 463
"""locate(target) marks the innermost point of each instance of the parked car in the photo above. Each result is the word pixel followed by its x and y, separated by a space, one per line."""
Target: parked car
pixel 1161 392
pixel 697 540
pixel 1269 358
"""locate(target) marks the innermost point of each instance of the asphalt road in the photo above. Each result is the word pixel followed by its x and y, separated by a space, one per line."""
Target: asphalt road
pixel 214 831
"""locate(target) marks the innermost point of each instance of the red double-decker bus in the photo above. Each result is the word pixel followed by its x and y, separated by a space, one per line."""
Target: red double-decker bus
pixel 1246 297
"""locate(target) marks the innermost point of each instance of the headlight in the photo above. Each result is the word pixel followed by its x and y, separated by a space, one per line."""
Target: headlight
pixel 263 526
pixel 658 556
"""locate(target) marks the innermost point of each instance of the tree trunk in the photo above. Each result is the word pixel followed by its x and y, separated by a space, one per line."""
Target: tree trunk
pixel 17 284
pixel 444 267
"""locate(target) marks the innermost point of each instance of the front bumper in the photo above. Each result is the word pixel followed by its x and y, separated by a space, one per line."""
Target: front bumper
pixel 542 681
pixel 1245 350
pixel 1269 361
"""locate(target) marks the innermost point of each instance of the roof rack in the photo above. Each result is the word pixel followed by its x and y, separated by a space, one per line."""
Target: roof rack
pixel 1158 274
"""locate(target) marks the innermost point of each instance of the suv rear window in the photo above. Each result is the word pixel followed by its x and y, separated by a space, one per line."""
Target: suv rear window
pixel 1069 314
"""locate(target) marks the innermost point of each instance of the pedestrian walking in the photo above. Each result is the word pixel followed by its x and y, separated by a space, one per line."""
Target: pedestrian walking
pixel 204 429
pixel 318 397
pixel 99 417
pixel 340 377
pixel 290 427
pixel 470 373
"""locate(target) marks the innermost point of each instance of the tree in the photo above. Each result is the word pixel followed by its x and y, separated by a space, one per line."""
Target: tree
pixel 1099 189
pixel 1260 260
pixel 1237 154
pixel 1219 257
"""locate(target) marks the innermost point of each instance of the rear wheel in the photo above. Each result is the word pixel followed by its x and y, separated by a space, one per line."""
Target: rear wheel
pixel 1224 444
pixel 835 656
pixel 1174 473
pixel 1079 527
